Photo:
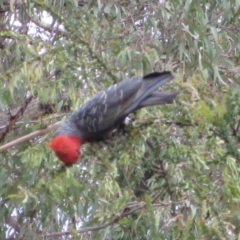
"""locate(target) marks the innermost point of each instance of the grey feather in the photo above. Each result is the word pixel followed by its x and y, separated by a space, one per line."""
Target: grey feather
pixel 158 98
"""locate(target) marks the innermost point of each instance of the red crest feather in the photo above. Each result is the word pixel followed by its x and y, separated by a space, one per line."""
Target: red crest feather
pixel 66 148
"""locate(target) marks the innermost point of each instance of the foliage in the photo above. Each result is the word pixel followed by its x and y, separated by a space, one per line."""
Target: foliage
pixel 174 173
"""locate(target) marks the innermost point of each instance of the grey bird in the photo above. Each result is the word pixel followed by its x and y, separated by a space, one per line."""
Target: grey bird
pixel 106 111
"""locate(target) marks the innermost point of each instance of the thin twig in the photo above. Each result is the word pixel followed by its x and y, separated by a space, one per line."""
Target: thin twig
pixel 14 118
pixel 37 121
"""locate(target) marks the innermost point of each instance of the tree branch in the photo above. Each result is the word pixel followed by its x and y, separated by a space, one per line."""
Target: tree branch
pixel 95 228
pixel 29 137
pixel 126 212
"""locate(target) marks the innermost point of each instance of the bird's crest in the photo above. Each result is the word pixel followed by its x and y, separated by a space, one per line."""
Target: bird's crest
pixel 66 148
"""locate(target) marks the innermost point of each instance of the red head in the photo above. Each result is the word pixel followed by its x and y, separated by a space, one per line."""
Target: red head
pixel 66 148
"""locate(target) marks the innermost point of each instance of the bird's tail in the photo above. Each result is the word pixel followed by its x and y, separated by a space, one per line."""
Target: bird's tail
pixel 152 82
pixel 158 98
pixel 146 95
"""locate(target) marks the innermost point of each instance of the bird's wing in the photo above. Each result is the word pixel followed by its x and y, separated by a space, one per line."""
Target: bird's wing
pixel 107 109
pixel 103 110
